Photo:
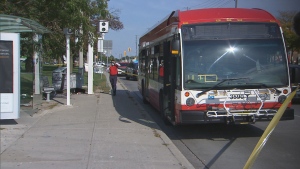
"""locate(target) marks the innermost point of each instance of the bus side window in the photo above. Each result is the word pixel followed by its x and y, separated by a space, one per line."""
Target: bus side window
pixel 161 71
pixel 150 70
pixel 142 65
pixel 154 68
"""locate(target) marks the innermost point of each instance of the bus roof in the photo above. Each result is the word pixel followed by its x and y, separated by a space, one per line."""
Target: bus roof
pixel 225 15
pixel 206 15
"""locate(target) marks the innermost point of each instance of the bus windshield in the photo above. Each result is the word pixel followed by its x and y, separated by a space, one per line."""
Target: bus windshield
pixel 253 62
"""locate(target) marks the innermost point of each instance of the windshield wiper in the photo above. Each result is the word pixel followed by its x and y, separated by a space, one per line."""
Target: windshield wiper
pixel 191 81
pixel 216 85
pixel 257 85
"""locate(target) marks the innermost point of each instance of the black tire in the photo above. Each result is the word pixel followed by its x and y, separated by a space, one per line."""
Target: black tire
pixel 127 77
pixel 162 110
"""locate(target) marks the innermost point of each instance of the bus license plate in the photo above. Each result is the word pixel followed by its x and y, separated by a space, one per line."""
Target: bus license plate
pixel 237 96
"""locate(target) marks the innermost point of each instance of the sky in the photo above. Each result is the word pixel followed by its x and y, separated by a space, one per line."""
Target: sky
pixel 138 16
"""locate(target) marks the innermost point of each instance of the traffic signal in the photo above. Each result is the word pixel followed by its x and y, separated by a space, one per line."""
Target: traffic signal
pixel 68 31
pixel 103 26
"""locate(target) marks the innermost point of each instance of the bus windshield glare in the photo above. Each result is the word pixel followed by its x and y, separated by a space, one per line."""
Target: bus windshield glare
pixel 214 52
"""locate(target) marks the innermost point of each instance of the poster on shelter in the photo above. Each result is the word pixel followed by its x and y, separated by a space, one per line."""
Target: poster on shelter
pixel 6 66
pixel 6 102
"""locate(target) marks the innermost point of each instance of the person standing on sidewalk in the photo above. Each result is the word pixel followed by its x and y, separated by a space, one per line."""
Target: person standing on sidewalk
pixel 113 73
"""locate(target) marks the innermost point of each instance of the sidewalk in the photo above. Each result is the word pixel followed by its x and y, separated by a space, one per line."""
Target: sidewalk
pixel 97 131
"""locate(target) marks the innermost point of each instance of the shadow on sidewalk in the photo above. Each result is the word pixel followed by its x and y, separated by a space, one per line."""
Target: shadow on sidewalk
pixel 130 110
pixel 8 122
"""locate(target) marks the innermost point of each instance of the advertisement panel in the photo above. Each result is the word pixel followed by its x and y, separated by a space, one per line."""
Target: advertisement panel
pixel 9 75
pixel 6 66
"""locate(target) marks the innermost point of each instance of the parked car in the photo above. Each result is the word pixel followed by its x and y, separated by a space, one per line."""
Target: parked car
pixel 122 68
pixel 131 71
pixel 99 64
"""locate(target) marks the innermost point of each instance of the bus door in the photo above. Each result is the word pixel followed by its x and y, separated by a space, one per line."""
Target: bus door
pixel 169 79
pixel 145 83
pixel 144 68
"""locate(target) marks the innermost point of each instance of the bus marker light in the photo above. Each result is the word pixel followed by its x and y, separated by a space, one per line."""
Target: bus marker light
pixel 285 91
pixel 187 94
pixel 175 52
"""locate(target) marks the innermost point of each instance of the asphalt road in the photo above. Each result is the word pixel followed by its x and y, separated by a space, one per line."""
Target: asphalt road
pixel 229 146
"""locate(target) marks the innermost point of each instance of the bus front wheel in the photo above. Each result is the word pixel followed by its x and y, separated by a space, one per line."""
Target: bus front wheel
pixel 163 107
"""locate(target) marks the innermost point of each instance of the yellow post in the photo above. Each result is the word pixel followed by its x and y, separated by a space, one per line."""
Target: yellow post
pixel 264 138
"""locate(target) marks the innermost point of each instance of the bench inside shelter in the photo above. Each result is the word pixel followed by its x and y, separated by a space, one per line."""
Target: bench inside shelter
pixel 47 89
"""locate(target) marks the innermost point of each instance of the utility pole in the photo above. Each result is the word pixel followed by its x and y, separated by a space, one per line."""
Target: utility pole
pixel 236 2
pixel 36 65
pixel 68 32
pixel 136 46
pixel 90 62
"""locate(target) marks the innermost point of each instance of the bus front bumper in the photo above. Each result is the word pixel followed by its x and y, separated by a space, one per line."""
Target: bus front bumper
pixel 201 117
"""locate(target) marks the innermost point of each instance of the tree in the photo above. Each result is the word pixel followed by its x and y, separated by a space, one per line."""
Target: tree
pixel 56 15
pixel 286 19
pixel 102 14
pixel 114 20
pixel 297 23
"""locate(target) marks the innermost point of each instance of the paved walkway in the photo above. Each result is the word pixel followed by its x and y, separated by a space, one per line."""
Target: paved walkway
pixel 97 131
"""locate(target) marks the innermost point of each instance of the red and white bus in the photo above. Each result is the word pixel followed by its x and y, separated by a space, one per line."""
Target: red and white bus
pixel 220 65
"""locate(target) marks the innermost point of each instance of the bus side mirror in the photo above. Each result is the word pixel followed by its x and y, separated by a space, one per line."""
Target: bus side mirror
pixel 175 46
pixel 297 23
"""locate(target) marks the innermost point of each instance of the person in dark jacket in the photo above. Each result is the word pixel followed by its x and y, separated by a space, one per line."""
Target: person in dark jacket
pixel 113 73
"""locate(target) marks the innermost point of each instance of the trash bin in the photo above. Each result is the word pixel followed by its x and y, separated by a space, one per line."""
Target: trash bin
pixel 79 80
pixel 73 80
pixel 58 75
pixel 80 70
pixel 76 80
pixel 80 76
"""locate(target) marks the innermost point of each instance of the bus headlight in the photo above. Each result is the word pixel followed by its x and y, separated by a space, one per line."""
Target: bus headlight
pixel 281 98
pixel 190 101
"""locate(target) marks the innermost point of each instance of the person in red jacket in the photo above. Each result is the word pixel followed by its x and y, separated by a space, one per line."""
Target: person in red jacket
pixel 161 71
pixel 113 73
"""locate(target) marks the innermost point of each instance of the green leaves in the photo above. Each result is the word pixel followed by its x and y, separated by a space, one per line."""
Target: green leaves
pixel 58 14
pixel 286 20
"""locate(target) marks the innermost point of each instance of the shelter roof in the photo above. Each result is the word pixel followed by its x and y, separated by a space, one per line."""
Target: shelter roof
pixel 16 24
